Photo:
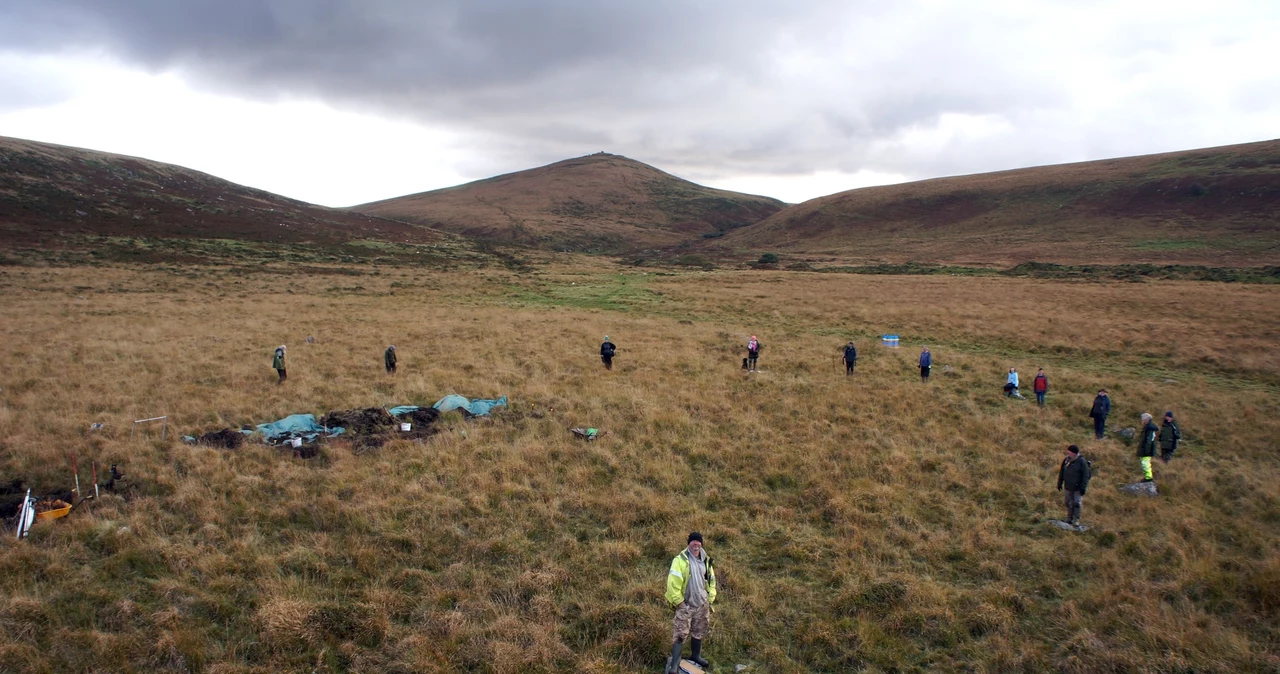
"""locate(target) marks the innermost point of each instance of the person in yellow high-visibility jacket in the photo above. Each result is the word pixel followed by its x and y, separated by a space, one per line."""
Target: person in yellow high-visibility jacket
pixel 691 589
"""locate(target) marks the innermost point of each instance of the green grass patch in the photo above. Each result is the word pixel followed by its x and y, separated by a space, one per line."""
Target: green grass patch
pixel 619 292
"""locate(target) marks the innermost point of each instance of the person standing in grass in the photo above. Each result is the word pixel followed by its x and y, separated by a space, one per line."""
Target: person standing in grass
pixel 753 352
pixel 1147 446
pixel 1073 480
pixel 691 589
pixel 1169 437
pixel 850 358
pixel 926 362
pixel 606 353
pixel 1101 408
pixel 1040 386
pixel 278 364
pixel 390 359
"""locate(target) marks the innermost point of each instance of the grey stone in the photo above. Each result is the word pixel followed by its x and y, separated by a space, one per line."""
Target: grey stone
pixel 1127 433
pixel 1140 489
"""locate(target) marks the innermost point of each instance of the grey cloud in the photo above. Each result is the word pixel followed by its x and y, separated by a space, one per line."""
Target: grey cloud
pixel 25 89
pixel 709 87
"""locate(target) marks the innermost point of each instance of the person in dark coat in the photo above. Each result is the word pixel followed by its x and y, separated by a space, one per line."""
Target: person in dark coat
pixel 1040 386
pixel 278 363
pixel 753 352
pixel 1147 446
pixel 926 362
pixel 850 358
pixel 1073 481
pixel 390 359
pixel 1170 434
pixel 606 353
pixel 1101 408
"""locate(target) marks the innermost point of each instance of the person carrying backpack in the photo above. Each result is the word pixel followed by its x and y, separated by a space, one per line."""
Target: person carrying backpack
pixel 1101 408
pixel 691 589
pixel 606 353
pixel 1040 386
pixel 1073 481
pixel 1147 446
pixel 278 363
pixel 390 359
pixel 1169 437
pixel 850 358
pixel 753 352
pixel 926 362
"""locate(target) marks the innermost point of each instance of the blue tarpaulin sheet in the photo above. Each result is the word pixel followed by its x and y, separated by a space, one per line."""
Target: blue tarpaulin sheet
pixel 476 407
pixel 296 426
pixel 402 410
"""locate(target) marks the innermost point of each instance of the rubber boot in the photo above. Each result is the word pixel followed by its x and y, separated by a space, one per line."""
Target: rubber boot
pixel 696 654
pixel 673 665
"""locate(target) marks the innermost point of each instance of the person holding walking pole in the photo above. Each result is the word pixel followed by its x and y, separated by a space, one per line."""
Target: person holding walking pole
pixel 850 358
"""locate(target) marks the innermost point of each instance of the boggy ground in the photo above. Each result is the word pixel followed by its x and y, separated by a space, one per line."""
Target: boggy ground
pixel 869 523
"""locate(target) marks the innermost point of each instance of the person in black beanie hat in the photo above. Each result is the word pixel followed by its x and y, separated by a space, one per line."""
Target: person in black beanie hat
pixel 1073 481
pixel 691 589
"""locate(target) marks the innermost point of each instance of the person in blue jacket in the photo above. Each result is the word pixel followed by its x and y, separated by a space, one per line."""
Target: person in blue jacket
pixel 1011 385
pixel 1101 408
pixel 850 358
pixel 926 362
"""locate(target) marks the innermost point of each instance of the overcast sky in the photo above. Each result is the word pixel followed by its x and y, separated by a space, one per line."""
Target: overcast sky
pixel 340 102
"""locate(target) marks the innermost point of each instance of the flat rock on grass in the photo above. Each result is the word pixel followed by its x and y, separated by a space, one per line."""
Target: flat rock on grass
pixel 1140 489
pixel 1067 526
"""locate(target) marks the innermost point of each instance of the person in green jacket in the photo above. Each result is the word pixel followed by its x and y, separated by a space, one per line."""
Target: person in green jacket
pixel 1147 446
pixel 691 589
pixel 390 358
pixel 278 364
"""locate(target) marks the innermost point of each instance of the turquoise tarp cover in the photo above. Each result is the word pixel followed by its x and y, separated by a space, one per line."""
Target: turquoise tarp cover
pixel 403 409
pixel 296 426
pixel 476 407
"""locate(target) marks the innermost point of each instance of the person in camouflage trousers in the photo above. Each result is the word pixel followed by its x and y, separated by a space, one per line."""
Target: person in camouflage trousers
pixel 691 589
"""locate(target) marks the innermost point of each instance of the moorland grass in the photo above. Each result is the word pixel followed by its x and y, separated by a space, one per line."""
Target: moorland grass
pixel 869 524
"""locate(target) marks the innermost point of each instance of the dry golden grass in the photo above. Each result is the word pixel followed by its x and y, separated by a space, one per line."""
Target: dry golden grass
pixel 872 524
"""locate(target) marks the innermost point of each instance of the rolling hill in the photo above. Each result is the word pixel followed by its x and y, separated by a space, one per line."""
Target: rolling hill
pixel 598 203
pixel 50 194
pixel 1217 206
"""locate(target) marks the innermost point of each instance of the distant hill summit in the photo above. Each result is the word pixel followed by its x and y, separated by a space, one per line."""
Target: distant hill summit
pixel 599 203
pixel 1217 206
pixel 48 192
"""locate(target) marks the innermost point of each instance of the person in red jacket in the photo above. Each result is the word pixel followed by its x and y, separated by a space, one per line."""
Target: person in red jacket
pixel 1041 387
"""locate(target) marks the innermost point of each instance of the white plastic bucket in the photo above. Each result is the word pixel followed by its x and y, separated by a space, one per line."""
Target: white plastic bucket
pixel 406 427
pixel 296 442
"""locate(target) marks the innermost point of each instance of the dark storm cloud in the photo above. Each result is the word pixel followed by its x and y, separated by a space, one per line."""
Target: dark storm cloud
pixel 711 87
pixel 387 47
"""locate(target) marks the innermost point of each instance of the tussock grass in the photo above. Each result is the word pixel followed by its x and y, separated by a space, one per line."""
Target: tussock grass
pixel 858 524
